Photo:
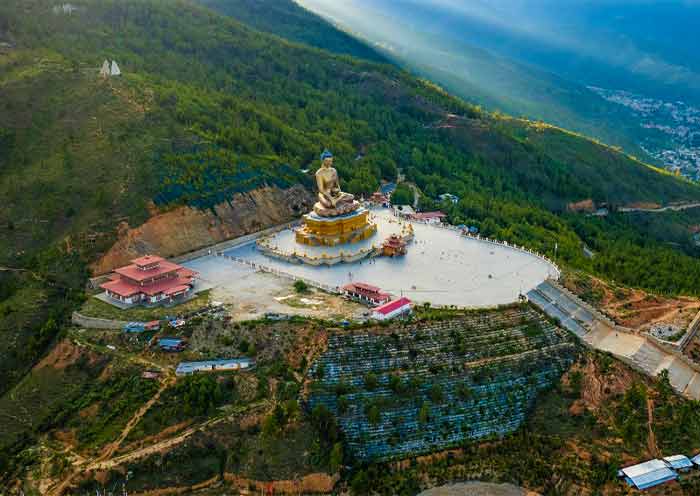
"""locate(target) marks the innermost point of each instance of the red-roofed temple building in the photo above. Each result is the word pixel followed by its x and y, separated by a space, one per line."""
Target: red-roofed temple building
pixel 366 293
pixel 150 280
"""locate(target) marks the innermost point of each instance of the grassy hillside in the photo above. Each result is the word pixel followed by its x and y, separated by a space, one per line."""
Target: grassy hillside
pixel 207 107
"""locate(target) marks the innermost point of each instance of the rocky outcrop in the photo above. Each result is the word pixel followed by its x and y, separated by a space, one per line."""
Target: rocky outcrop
pixel 185 229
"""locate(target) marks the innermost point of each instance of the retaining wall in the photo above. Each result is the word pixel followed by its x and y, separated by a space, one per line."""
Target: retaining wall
pixel 95 323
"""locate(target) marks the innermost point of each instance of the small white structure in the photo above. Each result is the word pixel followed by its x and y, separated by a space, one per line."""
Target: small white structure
pixel 449 197
pixel 696 460
pixel 404 210
pixel 65 8
pixel 114 70
pixel 681 463
pixel 393 309
pixel 648 474
pixel 104 72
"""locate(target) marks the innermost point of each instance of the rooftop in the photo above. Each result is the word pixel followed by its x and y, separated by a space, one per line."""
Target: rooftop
pixel 147 260
pixel 387 308
pixel 429 215
pixel 170 285
pixel 363 286
pixel 649 474
pixel 678 462
pixel 227 363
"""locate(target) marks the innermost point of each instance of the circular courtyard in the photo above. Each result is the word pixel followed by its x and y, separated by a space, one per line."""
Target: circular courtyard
pixel 442 266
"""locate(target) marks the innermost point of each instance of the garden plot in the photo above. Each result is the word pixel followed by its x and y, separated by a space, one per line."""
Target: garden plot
pixel 432 385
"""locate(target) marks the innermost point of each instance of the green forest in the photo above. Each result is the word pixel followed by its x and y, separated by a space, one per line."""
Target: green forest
pixel 208 106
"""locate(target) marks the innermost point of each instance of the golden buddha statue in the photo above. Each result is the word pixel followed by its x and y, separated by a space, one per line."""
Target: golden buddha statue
pixel 332 201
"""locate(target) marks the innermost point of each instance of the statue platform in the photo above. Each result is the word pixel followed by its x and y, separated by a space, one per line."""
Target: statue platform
pixel 320 230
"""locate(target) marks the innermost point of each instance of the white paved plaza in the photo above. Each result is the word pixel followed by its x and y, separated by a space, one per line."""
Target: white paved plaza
pixel 442 267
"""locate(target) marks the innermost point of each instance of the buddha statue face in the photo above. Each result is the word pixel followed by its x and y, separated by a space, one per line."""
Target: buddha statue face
pixel 327 163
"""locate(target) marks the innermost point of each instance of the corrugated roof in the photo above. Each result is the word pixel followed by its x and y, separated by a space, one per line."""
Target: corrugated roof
pixel 649 474
pixel 696 459
pixel 387 308
pixel 230 363
pixel 678 461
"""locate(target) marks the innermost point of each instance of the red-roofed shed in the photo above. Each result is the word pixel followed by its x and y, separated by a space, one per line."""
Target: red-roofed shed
pixel 392 309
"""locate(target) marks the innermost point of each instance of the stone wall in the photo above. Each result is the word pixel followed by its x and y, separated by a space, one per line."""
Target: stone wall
pixel 95 323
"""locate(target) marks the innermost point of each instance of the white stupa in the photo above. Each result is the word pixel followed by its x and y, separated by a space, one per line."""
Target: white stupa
pixel 104 72
pixel 114 71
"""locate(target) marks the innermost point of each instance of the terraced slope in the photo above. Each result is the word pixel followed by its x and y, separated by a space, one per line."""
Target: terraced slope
pixel 429 386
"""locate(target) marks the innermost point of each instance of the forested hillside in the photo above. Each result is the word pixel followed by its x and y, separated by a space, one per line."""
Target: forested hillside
pixel 207 107
pixel 287 19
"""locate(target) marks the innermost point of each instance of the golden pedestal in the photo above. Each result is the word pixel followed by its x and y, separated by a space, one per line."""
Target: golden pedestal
pixel 332 231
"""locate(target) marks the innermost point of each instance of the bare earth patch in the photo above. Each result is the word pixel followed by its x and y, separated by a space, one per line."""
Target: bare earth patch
pixel 478 489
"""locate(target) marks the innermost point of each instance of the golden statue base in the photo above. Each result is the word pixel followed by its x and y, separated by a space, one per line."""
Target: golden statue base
pixel 337 230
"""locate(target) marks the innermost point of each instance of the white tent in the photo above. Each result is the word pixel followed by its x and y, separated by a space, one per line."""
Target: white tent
pixel 115 69
pixel 104 72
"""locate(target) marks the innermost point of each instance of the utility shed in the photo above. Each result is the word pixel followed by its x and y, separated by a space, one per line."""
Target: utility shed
pixel 187 368
pixel 680 463
pixel 696 460
pixel 648 474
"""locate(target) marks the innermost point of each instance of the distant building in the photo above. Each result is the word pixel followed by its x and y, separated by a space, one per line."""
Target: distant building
pixel 387 189
pixel 648 474
pixel 366 293
pixel 680 463
pixel 378 198
pixel 114 70
pixel 149 280
pixel 449 197
pixel 172 344
pixel 188 368
pixel 394 246
pixel 429 217
pixel 393 309
pixel 150 374
pixel 696 460
pixel 404 210
pixel 138 327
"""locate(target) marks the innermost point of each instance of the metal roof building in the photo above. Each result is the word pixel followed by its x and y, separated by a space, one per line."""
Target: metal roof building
pixel 648 474
pixel 187 368
pixel 678 462
pixel 696 460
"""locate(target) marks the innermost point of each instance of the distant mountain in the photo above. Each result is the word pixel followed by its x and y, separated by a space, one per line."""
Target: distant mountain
pixel 524 58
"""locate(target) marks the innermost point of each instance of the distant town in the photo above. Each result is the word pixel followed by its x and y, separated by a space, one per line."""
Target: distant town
pixel 672 130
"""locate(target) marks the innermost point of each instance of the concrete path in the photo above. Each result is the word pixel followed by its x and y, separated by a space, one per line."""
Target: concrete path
pixel 634 349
